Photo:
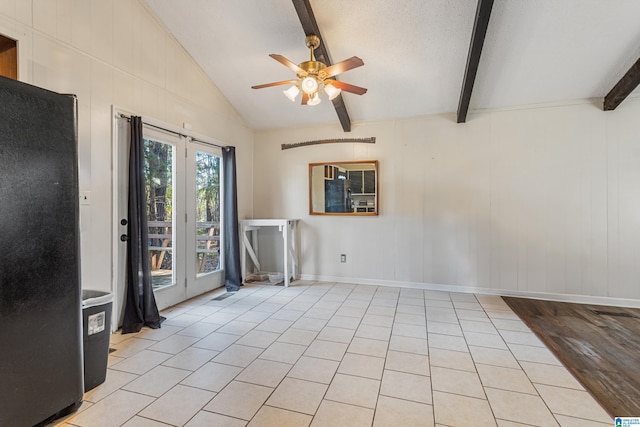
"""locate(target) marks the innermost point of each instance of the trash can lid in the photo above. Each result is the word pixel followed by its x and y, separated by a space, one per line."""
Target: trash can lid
pixel 92 298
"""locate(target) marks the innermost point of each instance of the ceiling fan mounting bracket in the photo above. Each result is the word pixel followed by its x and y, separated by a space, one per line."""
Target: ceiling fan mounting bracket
pixel 312 42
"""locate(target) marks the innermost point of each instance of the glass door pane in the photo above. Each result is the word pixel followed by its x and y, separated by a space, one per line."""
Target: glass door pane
pixel 159 179
pixel 207 211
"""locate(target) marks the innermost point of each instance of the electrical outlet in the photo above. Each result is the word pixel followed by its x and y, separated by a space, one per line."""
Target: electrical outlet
pixel 343 257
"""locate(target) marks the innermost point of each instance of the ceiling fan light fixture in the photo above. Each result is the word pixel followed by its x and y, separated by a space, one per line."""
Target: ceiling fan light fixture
pixel 331 90
pixel 314 77
pixel 291 93
pixel 309 85
pixel 314 99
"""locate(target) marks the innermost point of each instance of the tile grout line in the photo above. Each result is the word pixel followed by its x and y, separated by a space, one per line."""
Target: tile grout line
pixel 367 296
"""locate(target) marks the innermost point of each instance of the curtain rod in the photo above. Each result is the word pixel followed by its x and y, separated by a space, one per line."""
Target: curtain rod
pixel 124 116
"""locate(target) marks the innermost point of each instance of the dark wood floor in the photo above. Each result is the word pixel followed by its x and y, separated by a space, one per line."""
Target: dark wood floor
pixel 599 345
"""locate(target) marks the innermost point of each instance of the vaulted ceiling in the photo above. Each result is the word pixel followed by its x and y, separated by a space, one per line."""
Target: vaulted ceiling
pixel 418 54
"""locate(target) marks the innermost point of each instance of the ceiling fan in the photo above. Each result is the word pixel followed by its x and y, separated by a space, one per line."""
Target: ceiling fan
pixel 314 76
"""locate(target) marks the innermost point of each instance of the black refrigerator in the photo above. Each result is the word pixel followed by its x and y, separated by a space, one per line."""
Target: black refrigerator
pixel 41 373
pixel 336 196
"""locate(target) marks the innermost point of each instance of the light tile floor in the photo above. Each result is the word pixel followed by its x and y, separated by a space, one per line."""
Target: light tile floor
pixel 325 354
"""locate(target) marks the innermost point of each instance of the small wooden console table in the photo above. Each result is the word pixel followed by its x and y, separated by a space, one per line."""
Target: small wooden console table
pixel 290 254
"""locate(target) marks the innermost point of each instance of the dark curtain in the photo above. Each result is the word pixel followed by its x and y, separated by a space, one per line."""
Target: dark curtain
pixel 232 273
pixel 140 308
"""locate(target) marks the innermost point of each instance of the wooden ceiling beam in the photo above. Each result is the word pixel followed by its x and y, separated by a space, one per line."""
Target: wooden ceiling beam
pixel 627 84
pixel 310 27
pixel 483 13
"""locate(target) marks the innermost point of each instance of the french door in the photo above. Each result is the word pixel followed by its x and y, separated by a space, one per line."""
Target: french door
pixel 183 185
pixel 203 220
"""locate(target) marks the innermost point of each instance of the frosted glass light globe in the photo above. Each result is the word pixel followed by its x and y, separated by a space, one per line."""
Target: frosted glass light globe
pixel 309 85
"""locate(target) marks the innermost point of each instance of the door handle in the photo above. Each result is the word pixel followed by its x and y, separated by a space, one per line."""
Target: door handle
pixel 124 237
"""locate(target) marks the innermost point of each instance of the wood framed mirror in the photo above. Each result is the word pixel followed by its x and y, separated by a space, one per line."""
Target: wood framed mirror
pixel 343 188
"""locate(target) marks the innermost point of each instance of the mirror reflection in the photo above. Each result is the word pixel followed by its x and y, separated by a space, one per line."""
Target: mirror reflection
pixel 343 188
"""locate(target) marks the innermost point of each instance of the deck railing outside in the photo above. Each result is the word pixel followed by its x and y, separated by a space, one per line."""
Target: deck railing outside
pixel 207 245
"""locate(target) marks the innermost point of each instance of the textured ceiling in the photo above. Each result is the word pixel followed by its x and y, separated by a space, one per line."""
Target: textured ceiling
pixel 415 51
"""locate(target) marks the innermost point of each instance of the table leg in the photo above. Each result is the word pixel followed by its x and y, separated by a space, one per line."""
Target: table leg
pixel 243 254
pixel 294 250
pixel 285 236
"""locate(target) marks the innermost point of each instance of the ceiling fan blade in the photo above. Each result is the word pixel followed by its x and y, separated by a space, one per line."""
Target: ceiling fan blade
pixel 343 66
pixel 349 88
pixel 284 61
pixel 305 98
pixel 285 82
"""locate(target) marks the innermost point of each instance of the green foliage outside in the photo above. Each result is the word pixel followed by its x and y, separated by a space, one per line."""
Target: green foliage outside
pixel 207 187
pixel 158 171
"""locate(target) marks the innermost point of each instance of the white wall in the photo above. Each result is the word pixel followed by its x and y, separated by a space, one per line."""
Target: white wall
pixel 535 201
pixel 113 52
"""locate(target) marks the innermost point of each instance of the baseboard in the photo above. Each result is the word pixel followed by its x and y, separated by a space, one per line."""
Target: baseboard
pixel 581 299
